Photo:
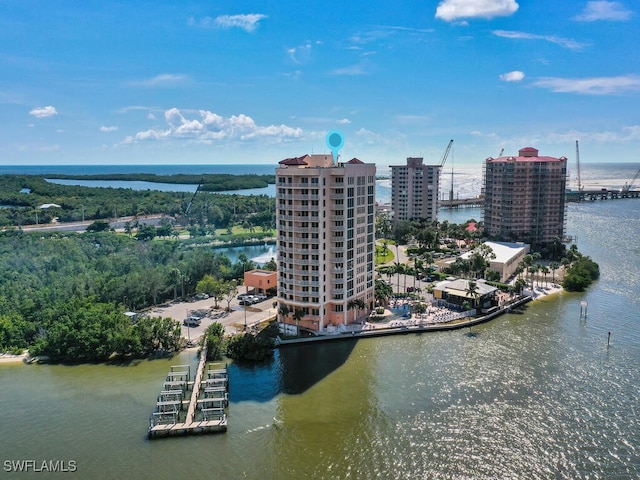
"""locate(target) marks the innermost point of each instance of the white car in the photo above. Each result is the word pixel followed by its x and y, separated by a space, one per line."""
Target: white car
pixel 191 322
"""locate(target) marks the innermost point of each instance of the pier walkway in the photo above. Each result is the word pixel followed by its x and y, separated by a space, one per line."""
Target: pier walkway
pixel 416 327
pixel 206 410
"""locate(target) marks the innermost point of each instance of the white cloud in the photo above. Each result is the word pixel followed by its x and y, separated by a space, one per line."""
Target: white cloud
pixel 450 10
pixel 162 80
pixel 344 121
pixel 370 137
pixel 300 55
pixel 43 112
pixel 248 22
pixel 353 70
pixel 108 129
pixel 210 126
pixel 413 119
pixel 604 10
pixel 515 76
pixel 563 42
pixel 591 86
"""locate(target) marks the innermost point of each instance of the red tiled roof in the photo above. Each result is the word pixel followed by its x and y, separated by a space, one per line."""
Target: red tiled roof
pixel 355 161
pixel 294 161
pixel 527 154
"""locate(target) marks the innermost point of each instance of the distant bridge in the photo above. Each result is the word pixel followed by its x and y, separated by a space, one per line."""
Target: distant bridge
pixel 602 194
pixel 462 202
pixel 571 196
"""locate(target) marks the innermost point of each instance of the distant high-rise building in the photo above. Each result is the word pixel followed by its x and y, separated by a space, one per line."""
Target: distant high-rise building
pixel 414 190
pixel 326 242
pixel 524 198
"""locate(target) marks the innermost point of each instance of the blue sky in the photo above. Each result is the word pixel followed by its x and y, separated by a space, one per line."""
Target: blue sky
pixel 137 82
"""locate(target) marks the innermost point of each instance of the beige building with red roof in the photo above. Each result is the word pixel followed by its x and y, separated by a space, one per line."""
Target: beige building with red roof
pixel 326 242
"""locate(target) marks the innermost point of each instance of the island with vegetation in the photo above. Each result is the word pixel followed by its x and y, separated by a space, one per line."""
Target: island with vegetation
pixel 31 199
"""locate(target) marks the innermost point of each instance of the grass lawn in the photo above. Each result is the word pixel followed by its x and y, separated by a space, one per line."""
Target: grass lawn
pixel 382 256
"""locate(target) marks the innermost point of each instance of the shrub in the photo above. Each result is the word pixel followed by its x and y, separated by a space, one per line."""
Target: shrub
pixel 580 275
pixel 215 340
pixel 248 347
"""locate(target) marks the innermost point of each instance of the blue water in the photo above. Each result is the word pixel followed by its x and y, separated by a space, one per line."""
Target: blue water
pixel 263 169
pixel 467 179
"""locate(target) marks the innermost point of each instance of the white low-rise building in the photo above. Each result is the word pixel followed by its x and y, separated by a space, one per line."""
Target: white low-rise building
pixel 508 256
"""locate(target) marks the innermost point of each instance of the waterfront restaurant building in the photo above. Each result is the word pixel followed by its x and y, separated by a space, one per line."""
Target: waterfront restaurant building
pixel 414 190
pixel 524 198
pixel 326 242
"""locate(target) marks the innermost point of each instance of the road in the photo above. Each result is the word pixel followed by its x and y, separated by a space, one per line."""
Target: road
pixel 117 224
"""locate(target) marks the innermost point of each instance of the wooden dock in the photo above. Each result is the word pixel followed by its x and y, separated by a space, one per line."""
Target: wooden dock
pixel 206 407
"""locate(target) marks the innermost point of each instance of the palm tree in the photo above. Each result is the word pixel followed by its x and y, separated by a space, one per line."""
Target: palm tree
pixel 351 305
pixel 284 311
pixel 174 278
pixel 418 268
pixel 519 285
pixel 519 270
pixel 472 290
pixel 545 271
pixel 360 304
pixel 385 248
pixel 382 292
pixel 298 315
pixel 533 269
pixel 553 266
pixel 398 269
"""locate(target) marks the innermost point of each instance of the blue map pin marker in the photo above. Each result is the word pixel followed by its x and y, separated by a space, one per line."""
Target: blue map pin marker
pixel 335 141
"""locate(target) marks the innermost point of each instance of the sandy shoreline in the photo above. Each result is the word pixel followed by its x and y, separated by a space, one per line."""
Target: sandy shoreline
pixel 8 358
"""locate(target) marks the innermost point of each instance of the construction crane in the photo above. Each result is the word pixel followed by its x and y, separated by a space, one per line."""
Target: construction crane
pixel 629 185
pixel 446 153
pixel 578 164
pixel 186 210
pixel 442 162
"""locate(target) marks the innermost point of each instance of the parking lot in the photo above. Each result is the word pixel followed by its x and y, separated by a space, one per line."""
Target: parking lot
pixel 233 321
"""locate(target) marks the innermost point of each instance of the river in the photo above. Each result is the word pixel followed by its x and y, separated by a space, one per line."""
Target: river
pixel 536 395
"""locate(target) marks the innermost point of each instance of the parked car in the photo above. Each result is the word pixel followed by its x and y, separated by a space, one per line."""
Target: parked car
pixel 201 296
pixel 247 300
pixel 260 297
pixel 191 321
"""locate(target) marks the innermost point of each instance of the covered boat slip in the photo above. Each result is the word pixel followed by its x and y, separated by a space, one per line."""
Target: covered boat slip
pixel 207 404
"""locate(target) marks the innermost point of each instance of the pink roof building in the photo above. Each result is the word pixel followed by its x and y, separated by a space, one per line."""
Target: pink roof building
pixel 525 198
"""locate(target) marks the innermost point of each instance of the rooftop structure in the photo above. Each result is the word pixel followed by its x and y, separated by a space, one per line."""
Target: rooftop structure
pixel 325 219
pixel 260 281
pixel 524 198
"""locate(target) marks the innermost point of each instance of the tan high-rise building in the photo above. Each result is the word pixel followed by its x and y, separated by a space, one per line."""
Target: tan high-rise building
pixel 524 198
pixel 326 242
pixel 414 190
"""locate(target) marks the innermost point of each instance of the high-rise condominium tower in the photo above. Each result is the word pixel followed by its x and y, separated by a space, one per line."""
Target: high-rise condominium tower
pixel 414 190
pixel 524 198
pixel 326 245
